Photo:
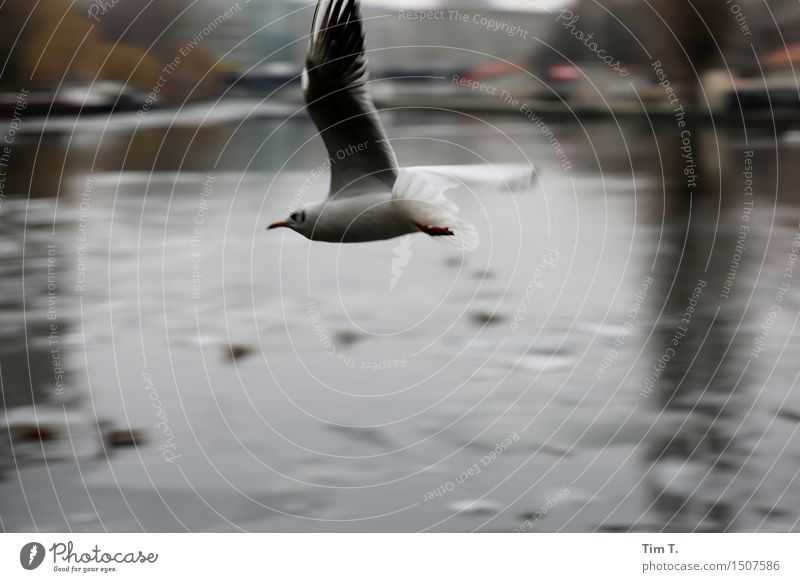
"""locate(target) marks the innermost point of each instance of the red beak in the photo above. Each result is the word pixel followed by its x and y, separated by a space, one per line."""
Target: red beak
pixel 277 224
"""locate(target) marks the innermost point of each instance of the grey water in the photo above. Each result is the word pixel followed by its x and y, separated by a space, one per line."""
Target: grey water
pixel 614 356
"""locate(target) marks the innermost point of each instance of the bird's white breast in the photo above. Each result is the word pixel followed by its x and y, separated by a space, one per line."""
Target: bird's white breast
pixel 360 219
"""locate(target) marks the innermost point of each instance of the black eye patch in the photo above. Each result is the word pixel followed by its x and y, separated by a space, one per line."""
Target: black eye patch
pixel 293 216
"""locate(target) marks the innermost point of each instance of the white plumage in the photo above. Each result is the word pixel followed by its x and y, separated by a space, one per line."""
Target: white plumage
pixel 370 197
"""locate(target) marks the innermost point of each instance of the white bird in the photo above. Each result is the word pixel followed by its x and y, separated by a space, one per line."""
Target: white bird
pixel 371 198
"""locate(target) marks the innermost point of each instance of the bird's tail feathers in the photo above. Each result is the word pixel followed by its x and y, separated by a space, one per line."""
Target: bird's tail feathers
pixel 425 204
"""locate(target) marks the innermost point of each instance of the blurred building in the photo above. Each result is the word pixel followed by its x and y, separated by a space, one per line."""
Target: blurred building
pixel 128 44
pixel 720 44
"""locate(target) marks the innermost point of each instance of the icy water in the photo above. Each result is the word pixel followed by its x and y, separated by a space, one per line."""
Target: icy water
pixel 610 359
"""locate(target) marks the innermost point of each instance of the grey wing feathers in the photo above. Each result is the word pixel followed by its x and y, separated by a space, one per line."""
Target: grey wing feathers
pixel 339 102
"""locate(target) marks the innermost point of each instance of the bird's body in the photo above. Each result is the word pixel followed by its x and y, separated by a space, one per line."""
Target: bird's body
pixel 370 197
pixel 361 218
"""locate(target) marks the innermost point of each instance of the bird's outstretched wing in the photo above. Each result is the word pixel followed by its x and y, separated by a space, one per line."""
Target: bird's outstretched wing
pixel 334 83
pixel 509 178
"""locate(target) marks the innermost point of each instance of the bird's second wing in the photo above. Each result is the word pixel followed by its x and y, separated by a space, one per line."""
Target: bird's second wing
pixel 339 103
pixel 491 177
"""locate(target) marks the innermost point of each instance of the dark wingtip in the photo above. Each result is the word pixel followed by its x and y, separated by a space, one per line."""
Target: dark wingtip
pixel 336 45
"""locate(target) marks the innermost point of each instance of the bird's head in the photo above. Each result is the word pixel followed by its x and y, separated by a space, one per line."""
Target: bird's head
pixel 301 220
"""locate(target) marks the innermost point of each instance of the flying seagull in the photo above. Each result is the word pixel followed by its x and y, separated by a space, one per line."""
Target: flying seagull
pixel 370 197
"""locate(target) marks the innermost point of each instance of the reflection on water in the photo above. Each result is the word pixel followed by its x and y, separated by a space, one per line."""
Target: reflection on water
pixel 719 453
pixel 617 355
